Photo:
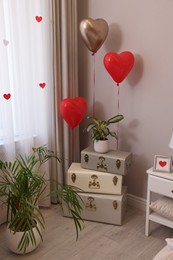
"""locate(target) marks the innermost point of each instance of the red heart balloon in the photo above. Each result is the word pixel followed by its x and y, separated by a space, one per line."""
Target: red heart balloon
pixel 73 110
pixel 119 65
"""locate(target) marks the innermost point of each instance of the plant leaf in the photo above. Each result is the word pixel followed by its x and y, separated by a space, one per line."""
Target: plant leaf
pixel 115 119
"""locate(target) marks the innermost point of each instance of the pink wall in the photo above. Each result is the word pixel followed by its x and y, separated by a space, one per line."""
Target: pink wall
pixel 146 95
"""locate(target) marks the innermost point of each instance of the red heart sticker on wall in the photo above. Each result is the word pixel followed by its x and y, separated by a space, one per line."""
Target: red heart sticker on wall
pixel 42 85
pixel 7 96
pixel 162 163
pixel 38 18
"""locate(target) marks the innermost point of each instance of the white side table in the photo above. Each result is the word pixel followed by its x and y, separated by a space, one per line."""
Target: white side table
pixel 161 183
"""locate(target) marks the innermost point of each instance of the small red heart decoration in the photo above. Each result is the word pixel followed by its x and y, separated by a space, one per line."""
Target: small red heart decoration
pixel 7 96
pixel 38 18
pixel 119 65
pixel 42 85
pixel 73 110
pixel 162 163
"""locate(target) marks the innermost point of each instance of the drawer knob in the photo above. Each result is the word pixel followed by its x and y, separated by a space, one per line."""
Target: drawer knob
pixel 172 191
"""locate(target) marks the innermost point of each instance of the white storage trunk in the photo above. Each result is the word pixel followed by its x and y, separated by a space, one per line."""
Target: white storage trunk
pixel 117 162
pixel 94 181
pixel 103 208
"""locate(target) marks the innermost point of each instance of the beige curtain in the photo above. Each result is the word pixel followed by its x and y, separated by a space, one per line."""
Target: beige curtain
pixel 66 140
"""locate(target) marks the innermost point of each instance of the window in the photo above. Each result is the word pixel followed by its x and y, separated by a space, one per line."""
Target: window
pixel 25 71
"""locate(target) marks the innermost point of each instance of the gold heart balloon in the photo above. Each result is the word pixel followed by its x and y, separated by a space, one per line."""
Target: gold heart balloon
pixel 94 33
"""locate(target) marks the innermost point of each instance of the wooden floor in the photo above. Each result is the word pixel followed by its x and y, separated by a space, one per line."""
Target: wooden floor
pixel 97 241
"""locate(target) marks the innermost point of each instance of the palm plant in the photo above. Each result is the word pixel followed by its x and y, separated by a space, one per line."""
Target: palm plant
pixel 22 186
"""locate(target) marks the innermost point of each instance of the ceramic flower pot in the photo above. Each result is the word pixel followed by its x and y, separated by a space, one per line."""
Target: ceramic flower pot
pixel 13 240
pixel 101 146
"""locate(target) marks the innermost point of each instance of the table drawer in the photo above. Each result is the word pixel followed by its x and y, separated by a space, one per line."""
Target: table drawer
pixel 161 186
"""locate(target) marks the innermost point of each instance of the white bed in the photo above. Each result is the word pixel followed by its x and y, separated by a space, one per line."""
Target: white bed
pixel 167 252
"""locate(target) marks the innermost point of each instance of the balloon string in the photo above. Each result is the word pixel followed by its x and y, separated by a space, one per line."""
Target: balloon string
pixel 73 146
pixel 118 104
pixel 118 100
pixel 94 86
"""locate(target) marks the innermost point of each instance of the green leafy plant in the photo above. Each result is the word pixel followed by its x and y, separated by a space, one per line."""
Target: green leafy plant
pixel 22 185
pixel 100 129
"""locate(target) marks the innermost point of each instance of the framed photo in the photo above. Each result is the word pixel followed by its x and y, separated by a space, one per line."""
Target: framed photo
pixel 162 163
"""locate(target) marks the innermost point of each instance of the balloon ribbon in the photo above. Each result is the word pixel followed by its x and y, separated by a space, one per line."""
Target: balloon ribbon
pixel 118 108
pixel 94 85
pixel 73 144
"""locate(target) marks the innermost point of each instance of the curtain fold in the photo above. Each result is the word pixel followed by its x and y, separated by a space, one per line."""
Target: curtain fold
pixel 66 140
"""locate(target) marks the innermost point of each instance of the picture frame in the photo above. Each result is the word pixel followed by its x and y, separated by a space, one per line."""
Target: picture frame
pixel 162 163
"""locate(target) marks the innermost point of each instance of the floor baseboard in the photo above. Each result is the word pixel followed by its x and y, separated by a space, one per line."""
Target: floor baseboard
pixel 136 202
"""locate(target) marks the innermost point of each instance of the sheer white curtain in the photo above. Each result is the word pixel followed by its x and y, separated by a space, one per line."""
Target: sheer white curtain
pixel 38 69
pixel 26 91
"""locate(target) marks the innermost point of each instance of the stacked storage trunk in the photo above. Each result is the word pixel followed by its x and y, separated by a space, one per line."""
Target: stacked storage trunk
pixel 100 177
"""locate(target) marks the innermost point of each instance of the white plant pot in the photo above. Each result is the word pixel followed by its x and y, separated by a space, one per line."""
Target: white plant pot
pixel 101 146
pixel 13 240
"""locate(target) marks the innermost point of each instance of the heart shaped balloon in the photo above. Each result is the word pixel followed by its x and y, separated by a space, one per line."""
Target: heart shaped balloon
pixel 94 33
pixel 119 65
pixel 73 110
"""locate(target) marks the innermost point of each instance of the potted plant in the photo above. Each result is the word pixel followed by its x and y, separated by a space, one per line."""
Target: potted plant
pixel 100 132
pixel 22 185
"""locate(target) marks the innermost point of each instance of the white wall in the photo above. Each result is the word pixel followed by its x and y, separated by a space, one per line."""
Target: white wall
pixel 146 96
